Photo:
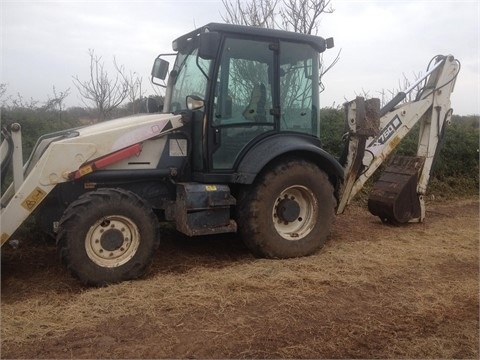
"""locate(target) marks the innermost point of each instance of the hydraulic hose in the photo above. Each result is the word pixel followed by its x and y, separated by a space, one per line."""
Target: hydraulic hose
pixel 439 60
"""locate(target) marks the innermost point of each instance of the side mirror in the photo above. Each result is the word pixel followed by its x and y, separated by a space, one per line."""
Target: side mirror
pixel 194 102
pixel 208 43
pixel 329 43
pixel 160 69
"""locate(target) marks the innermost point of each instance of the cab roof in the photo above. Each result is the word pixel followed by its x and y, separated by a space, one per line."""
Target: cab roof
pixel 317 42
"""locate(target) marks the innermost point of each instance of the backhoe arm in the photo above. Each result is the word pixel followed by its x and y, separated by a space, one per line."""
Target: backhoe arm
pixel 374 133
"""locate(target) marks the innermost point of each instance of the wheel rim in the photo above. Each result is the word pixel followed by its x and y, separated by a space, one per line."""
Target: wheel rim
pixel 112 241
pixel 295 212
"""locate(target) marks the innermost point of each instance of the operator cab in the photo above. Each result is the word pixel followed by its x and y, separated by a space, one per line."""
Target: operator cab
pixel 241 85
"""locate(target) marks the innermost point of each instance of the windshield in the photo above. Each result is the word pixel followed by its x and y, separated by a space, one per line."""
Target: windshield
pixel 189 78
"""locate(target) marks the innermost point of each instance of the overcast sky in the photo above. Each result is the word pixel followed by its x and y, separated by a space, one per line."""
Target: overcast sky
pixel 45 43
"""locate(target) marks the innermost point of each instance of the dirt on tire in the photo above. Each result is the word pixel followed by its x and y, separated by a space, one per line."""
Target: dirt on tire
pixel 373 291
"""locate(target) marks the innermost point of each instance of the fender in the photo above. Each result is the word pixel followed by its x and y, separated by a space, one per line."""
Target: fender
pixel 272 147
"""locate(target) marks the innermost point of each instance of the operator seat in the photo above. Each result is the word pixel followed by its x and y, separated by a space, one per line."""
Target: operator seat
pixel 255 111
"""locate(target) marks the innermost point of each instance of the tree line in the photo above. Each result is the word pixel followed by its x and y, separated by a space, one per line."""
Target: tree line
pixel 457 167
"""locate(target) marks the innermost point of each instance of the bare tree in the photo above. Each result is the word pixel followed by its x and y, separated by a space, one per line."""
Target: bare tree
pixel 302 16
pixel 259 13
pixel 105 92
pixel 20 102
pixel 56 103
pixel 135 91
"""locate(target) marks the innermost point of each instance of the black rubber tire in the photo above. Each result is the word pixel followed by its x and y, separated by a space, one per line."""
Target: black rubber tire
pixel 127 228
pixel 259 225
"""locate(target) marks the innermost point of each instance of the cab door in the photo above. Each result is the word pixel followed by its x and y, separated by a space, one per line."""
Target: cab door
pixel 243 99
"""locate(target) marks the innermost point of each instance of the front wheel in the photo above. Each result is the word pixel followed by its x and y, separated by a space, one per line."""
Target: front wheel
pixel 107 236
pixel 288 211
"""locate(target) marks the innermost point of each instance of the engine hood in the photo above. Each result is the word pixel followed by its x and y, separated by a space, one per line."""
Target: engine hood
pixel 119 133
pixel 106 137
pixel 129 122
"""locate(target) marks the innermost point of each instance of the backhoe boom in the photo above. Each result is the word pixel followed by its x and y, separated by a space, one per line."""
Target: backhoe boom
pixel 390 198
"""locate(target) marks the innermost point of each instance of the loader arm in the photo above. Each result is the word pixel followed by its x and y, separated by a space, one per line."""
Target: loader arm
pixel 374 134
pixel 70 158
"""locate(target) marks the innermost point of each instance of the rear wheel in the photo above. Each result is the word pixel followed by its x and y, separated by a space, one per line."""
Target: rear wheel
pixel 108 236
pixel 288 211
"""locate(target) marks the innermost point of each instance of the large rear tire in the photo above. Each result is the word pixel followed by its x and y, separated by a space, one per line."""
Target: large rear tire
pixel 288 211
pixel 108 236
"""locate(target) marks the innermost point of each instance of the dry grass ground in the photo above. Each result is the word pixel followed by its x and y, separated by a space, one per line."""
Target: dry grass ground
pixel 374 291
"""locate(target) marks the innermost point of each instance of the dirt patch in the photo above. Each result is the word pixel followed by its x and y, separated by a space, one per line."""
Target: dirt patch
pixel 374 291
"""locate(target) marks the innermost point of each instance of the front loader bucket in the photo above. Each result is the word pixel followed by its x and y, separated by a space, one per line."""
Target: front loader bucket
pixel 394 196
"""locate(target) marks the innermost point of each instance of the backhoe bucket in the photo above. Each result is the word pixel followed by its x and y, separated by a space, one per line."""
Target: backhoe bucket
pixel 394 196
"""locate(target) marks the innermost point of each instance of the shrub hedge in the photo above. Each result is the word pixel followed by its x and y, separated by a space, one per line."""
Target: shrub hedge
pixel 456 169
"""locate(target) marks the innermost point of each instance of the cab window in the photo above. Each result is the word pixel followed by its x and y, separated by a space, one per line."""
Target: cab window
pixel 298 102
pixel 243 98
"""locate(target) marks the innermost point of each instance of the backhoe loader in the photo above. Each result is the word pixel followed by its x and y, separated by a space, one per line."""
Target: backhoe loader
pixel 236 148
